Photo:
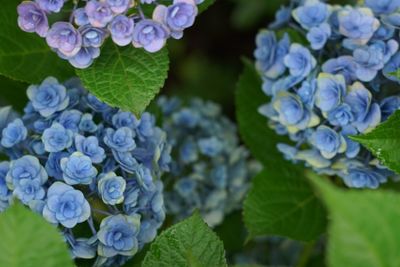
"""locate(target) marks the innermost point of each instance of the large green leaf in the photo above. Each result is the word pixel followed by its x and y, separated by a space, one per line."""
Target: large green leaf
pixel 384 142
pixel 188 243
pixel 26 56
pixel 280 201
pixel 126 77
pixel 363 228
pixel 27 240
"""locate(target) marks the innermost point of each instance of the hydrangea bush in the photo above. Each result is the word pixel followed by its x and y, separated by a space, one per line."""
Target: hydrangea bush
pixel 84 165
pixel 210 170
pixel 79 39
pixel 336 83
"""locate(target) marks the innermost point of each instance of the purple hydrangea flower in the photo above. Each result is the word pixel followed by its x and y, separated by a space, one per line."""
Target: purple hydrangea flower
pixel 31 18
pixel 119 6
pixel 179 16
pixel 63 37
pixel 85 57
pixel 80 17
pixel 150 34
pixel 92 36
pixel 51 5
pixel 121 29
pixel 99 13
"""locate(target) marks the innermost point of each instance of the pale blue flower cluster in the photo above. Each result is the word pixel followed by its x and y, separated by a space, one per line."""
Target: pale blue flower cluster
pixel 75 160
pixel 334 82
pixel 91 22
pixel 210 170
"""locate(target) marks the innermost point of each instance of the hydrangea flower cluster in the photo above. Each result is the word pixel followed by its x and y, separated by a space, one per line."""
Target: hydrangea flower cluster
pixel 80 163
pixel 210 171
pixel 92 22
pixel 335 83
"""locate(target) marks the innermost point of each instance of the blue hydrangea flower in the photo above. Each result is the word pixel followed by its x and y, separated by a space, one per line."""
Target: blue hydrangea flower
pixel 89 146
pixel 78 169
pixel 360 177
pixel 111 188
pixel 25 168
pixel 120 140
pixel 328 142
pixel 337 85
pixel 49 97
pixel 211 170
pixel 53 166
pixel 344 65
pixel 313 13
pixel 384 6
pixel 299 61
pixel 65 205
pixel 150 34
pixel 358 24
pixel 317 36
pixel 29 190
pixel 289 111
pixel 118 235
pixel 57 138
pixel 14 133
pixel 270 53
pixel 367 115
pixel 70 143
pixel 70 119
pixel 330 91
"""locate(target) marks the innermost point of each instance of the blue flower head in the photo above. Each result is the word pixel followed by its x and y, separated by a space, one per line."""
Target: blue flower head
pixel 338 82
pixel 118 235
pixel 111 188
pixel 65 205
pixel 211 171
pixel 120 140
pixel 358 24
pixel 78 169
pixel 49 97
pixel 299 61
pixel 14 133
pixel 330 91
pixel 57 138
pixel 69 148
pixel 269 54
pixel 313 13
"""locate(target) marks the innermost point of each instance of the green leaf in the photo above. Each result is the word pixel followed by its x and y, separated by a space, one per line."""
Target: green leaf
pixel 126 77
pixel 27 240
pixel 13 93
pixel 364 226
pixel 188 243
pixel 280 201
pixel 205 5
pixel 25 56
pixel 384 142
